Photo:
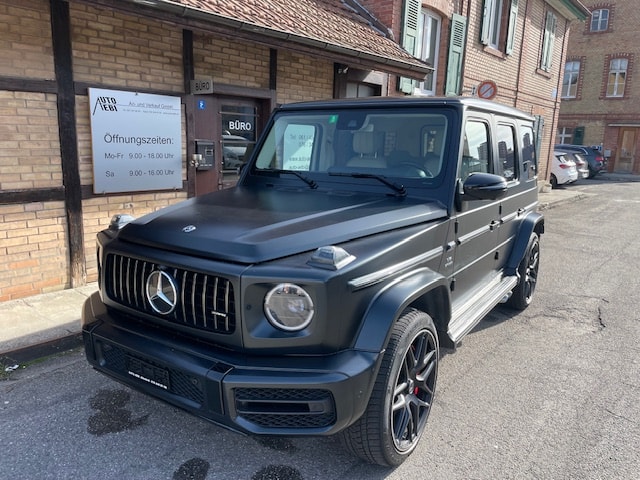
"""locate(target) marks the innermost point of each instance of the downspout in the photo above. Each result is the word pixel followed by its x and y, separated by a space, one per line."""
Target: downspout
pixel 556 100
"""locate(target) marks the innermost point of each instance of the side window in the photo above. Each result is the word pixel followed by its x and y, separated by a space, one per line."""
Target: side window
pixel 506 167
pixel 528 149
pixel 476 149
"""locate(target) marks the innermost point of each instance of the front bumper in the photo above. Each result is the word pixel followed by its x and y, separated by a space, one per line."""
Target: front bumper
pixel 287 395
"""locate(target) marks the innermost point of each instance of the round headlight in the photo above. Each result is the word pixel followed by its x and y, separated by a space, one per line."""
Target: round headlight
pixel 288 307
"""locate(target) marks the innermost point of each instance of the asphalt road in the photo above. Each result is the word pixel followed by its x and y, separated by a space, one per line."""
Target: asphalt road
pixel 550 393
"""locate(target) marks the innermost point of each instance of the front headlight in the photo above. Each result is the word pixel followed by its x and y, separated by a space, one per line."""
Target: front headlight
pixel 288 307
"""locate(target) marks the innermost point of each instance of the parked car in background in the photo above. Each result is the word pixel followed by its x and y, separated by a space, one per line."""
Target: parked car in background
pixel 563 170
pixel 581 163
pixel 592 155
pixel 234 149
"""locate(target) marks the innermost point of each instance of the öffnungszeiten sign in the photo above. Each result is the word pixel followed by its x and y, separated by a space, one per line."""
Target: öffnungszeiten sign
pixel 136 140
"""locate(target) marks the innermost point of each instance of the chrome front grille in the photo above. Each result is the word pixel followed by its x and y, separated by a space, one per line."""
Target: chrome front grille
pixel 203 301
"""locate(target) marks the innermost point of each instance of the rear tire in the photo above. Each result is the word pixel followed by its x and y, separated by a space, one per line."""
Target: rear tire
pixel 522 294
pixel 402 396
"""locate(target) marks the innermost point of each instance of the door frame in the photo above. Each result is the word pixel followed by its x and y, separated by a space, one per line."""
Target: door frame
pixel 265 100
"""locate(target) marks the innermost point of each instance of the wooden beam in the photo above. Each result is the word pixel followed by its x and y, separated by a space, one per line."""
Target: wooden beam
pixel 63 64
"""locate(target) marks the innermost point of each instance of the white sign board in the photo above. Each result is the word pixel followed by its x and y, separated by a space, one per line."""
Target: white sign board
pixel 136 140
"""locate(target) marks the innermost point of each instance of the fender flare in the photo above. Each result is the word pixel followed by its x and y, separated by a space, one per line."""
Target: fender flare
pixel 387 306
pixel 533 222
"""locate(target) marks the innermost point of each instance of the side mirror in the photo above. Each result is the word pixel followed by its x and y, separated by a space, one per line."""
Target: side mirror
pixel 484 186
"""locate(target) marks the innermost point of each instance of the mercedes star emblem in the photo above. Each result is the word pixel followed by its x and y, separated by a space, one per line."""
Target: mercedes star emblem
pixel 162 292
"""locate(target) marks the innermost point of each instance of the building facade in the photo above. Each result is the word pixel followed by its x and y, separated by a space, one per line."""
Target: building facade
pixel 600 94
pixel 225 66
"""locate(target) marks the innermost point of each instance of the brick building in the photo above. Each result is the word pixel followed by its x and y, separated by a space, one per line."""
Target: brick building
pixel 226 64
pixel 600 92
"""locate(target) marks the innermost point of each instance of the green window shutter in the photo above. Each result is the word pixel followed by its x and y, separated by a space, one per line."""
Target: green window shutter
pixel 485 32
pixel 456 54
pixel 410 29
pixel 513 24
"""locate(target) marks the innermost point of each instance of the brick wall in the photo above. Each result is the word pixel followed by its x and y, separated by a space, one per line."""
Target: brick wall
pixel 112 48
pixel 301 77
pixel 238 63
pixel 592 109
pixel 33 254
pixel 25 39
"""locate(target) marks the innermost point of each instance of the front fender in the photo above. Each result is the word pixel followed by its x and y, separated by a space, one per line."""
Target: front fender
pixel 533 222
pixel 387 306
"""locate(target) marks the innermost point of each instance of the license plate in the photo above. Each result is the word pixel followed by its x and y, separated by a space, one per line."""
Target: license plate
pixel 148 373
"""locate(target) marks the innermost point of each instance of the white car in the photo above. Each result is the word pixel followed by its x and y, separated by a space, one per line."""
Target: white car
pixel 563 170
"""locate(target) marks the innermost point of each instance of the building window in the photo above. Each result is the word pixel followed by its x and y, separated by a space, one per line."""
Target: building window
pixel 617 77
pixel 564 135
pixel 599 20
pixel 570 80
pixel 494 12
pixel 428 48
pixel 549 38
pixel 499 24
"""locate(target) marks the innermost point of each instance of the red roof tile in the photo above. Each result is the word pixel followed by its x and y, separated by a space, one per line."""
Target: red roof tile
pixel 324 24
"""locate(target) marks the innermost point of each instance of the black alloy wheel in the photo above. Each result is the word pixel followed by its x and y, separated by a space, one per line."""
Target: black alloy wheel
pixel 522 294
pixel 401 401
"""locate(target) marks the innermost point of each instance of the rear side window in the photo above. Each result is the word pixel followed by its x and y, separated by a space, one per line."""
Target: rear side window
pixel 528 149
pixel 506 137
pixel 476 149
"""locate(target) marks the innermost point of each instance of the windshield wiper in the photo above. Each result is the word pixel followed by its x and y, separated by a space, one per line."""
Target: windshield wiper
pixel 304 178
pixel 398 188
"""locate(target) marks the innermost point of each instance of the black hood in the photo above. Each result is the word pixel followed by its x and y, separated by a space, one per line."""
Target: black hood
pixel 250 226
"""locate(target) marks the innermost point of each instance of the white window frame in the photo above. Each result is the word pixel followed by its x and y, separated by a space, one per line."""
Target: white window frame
pixel 571 79
pixel 599 22
pixel 550 24
pixel 494 17
pixel 617 77
pixel 429 48
pixel 565 135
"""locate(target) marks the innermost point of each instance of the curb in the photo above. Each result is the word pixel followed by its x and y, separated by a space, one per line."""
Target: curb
pixel 41 350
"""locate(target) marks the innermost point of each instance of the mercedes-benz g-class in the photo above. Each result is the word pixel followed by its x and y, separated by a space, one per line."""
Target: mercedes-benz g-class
pixel 313 298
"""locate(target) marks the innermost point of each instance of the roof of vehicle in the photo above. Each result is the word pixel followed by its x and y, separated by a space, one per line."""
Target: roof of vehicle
pixel 569 146
pixel 373 102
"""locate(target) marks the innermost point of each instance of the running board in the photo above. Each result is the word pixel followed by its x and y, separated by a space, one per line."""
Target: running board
pixel 468 315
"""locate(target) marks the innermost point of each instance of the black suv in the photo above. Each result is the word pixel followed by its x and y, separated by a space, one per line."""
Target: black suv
pixel 592 155
pixel 314 297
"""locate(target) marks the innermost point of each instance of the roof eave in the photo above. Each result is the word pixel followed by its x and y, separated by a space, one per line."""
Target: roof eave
pixel 571 9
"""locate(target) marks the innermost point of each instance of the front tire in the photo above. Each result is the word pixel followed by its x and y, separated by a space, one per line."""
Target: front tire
pixel 402 396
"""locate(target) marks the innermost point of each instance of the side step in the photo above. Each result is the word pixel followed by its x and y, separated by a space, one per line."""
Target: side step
pixel 468 314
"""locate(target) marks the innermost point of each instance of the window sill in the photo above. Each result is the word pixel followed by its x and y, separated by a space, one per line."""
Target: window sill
pixel 494 52
pixel 543 73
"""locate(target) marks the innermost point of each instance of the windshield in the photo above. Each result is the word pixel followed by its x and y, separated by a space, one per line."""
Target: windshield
pixel 390 143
